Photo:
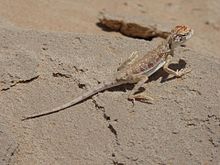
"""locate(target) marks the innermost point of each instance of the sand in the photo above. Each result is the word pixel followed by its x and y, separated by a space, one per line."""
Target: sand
pixel 53 51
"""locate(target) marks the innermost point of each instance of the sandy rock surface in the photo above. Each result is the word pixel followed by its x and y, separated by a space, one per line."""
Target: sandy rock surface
pixel 53 51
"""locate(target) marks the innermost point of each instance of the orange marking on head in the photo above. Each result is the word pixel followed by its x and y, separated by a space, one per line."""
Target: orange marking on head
pixel 180 29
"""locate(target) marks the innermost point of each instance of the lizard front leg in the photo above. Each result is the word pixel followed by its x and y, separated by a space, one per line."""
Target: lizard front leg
pixel 178 73
pixel 140 96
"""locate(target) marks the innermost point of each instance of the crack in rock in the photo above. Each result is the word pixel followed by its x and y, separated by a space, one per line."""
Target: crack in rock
pixel 82 86
pixel 213 142
pixel 217 119
pixel 117 163
pixel 113 130
pixel 108 119
pixel 17 66
pixel 20 82
pixel 58 74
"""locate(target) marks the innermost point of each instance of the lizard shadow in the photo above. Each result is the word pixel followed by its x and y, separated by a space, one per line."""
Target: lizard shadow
pixel 124 88
pixel 161 73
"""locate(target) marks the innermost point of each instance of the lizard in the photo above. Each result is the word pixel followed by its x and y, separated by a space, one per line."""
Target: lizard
pixel 136 70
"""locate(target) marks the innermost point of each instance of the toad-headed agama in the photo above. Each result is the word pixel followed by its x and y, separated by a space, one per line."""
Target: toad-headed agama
pixel 136 70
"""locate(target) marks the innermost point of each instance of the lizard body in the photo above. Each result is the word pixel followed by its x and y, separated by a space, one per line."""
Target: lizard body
pixel 136 70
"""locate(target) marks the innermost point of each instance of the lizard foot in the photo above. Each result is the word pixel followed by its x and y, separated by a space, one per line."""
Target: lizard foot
pixel 181 72
pixel 142 97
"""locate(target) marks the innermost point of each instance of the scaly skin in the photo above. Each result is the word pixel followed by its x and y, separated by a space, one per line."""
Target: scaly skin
pixel 136 70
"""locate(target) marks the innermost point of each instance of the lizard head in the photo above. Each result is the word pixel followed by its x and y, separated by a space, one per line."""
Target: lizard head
pixel 179 35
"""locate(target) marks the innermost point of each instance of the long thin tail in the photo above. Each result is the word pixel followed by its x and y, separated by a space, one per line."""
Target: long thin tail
pixel 77 100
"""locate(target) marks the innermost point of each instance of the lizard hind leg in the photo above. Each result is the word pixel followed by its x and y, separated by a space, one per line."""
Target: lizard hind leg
pixel 133 57
pixel 143 97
